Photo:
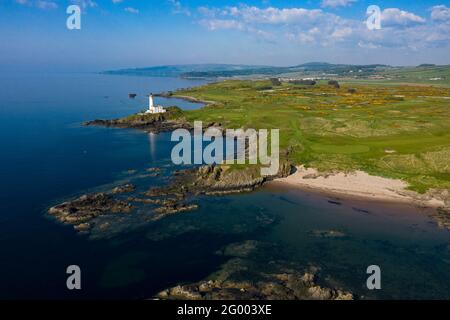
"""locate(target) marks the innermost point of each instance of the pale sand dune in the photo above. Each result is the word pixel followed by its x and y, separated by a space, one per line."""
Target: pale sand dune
pixel 356 184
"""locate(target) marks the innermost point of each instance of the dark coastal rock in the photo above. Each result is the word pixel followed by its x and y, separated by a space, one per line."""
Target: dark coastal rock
pixel 224 179
pixel 168 201
pixel 328 233
pixel 85 208
pixel 183 292
pixel 82 227
pixel 132 95
pixel 231 283
pixel 210 180
pixel 167 210
pixel 253 274
pixel 442 214
pixel 161 122
pixel 442 217
pixel 152 172
pixel 337 203
pixel 214 180
pixel 361 210
pixel 285 170
pixel 104 226
pixel 126 188
pixel 240 250
pixel 167 94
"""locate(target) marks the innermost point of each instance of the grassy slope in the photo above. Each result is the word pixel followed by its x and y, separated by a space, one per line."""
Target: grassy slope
pixel 331 129
pixel 421 74
pixel 410 75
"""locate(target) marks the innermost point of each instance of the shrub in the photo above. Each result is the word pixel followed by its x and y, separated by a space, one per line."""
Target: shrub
pixel 334 83
pixel 275 81
pixel 304 82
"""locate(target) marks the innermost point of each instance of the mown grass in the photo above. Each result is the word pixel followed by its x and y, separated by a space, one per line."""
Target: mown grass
pixel 388 130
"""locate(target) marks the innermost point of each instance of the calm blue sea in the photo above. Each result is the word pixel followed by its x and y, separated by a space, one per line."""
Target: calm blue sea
pixel 47 156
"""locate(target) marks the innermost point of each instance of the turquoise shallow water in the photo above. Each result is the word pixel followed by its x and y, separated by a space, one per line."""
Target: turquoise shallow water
pixel 48 156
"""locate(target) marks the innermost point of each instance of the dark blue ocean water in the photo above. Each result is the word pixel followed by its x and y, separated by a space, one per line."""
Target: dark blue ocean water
pixel 47 156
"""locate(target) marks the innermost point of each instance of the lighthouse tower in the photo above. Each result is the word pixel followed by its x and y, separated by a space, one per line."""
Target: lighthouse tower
pixel 152 108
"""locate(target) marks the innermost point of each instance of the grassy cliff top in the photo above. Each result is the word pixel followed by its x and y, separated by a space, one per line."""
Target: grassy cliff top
pixel 393 131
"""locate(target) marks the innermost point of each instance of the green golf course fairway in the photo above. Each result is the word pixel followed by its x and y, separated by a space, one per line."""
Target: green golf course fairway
pixel 396 131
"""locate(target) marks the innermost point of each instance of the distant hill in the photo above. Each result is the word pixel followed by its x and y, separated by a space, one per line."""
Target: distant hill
pixel 422 73
pixel 180 70
pixel 232 70
pixel 307 68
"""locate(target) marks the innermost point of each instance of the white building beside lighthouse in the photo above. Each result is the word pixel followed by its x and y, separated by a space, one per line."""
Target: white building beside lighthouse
pixel 152 108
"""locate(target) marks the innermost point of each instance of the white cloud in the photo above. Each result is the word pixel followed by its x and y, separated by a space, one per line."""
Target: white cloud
pixel 117 1
pixel 367 45
pixel 342 33
pixel 274 15
pixel 400 29
pixel 131 10
pixel 395 17
pixel 322 27
pixel 440 13
pixel 231 24
pixel 337 3
pixel 178 8
pixel 41 4
pixel 84 4
pixel 46 4
pixel 207 12
pixel 309 36
pixel 218 24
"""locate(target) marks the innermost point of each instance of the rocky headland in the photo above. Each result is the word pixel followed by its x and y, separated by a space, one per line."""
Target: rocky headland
pixel 161 122
pixel 177 196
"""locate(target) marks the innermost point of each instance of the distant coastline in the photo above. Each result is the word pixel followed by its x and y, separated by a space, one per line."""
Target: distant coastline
pixel 425 73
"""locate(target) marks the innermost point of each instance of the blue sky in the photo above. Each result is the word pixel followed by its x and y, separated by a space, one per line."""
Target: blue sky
pixel 136 33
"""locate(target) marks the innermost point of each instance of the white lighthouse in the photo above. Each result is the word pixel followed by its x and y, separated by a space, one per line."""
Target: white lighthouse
pixel 152 108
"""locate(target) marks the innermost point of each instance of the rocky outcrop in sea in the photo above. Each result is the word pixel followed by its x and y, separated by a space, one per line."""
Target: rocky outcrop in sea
pixel 244 277
pixel 177 196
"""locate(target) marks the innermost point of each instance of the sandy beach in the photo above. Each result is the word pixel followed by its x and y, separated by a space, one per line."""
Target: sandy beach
pixel 357 184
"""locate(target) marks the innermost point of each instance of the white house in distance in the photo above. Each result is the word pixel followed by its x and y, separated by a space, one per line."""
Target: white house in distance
pixel 152 108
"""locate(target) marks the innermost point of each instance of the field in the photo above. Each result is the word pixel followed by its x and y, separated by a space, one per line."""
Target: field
pixel 398 131
pixel 437 75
